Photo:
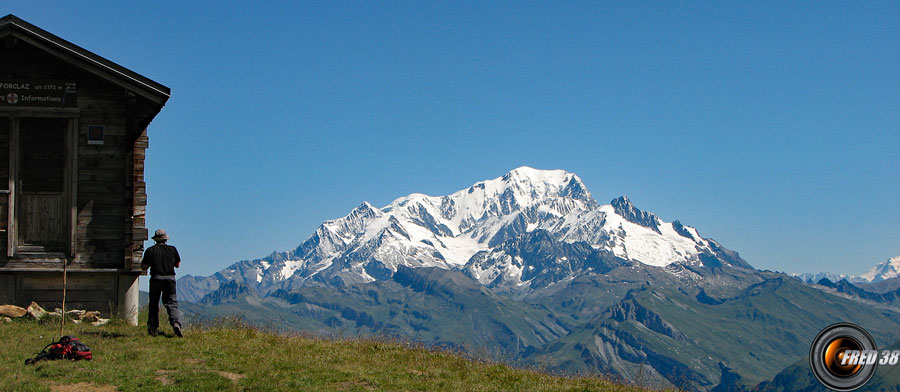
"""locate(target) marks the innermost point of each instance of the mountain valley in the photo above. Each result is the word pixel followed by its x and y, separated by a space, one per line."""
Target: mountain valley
pixel 528 269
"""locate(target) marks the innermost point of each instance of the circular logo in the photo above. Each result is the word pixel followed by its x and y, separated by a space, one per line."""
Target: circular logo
pixel 12 98
pixel 838 357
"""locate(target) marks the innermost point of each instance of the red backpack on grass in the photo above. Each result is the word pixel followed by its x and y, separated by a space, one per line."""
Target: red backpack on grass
pixel 66 348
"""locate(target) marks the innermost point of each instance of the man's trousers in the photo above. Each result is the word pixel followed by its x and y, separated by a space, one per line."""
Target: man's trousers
pixel 163 287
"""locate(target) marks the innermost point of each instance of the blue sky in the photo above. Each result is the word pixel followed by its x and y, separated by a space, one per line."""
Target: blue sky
pixel 773 127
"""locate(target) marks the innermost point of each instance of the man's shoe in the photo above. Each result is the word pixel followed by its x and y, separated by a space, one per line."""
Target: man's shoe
pixel 152 331
pixel 177 328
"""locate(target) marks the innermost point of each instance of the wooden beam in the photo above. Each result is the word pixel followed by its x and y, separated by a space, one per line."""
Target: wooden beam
pixel 11 227
pixel 73 184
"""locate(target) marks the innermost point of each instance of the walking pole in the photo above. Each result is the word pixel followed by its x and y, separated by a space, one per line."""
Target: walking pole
pixel 62 320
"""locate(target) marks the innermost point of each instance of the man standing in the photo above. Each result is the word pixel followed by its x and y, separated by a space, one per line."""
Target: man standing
pixel 162 259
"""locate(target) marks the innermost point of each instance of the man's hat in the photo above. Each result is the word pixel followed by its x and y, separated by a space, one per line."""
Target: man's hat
pixel 160 235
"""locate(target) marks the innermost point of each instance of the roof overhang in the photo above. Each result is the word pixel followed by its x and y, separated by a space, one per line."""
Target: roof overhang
pixel 11 25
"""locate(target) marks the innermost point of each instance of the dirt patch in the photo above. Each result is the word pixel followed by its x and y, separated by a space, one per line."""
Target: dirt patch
pixel 193 361
pixel 354 384
pixel 82 387
pixel 234 377
pixel 417 372
pixel 164 377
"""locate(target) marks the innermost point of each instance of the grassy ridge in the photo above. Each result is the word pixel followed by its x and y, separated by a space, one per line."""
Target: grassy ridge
pixel 233 357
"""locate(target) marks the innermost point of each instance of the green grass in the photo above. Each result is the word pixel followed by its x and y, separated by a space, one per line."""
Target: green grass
pixel 229 356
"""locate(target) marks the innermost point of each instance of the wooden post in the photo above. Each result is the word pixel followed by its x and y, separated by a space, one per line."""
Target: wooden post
pixel 62 320
pixel 12 229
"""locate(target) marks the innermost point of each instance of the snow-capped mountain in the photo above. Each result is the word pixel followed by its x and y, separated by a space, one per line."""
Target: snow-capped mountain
pixel 883 271
pixel 880 272
pixel 814 278
pixel 447 231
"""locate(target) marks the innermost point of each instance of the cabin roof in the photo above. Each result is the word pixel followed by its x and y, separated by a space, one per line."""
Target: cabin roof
pixel 11 25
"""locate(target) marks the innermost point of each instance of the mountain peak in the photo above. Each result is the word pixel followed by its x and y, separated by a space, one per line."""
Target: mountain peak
pixel 627 210
pixel 530 173
pixel 537 183
pixel 885 270
pixel 365 206
pixel 621 200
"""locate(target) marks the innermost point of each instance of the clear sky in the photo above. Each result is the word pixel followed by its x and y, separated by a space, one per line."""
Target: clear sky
pixel 773 127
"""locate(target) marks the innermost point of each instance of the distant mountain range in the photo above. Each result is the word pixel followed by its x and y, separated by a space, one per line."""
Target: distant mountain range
pixel 884 274
pixel 529 269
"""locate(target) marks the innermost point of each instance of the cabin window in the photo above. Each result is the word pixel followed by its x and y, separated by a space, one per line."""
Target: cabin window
pixel 43 146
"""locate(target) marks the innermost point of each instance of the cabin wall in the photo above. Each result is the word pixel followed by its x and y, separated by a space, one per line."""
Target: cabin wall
pixel 107 292
pixel 102 197
pixel 83 291
pixel 7 288
pixel 135 231
pixel 110 194
pixel 110 199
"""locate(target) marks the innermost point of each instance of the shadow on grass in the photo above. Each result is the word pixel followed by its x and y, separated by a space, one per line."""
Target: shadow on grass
pixel 106 334
pixel 161 334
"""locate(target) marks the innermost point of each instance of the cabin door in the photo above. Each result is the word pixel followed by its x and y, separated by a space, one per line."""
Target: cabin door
pixel 41 200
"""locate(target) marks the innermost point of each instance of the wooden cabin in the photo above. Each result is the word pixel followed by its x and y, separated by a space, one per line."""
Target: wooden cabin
pixel 73 131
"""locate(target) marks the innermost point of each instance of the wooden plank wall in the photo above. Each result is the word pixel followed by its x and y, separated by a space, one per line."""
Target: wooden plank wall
pixel 111 194
pixel 135 230
pixel 88 291
pixel 7 288
pixel 102 194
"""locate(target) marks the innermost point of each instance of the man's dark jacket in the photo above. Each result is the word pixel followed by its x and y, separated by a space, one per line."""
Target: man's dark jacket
pixel 162 259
